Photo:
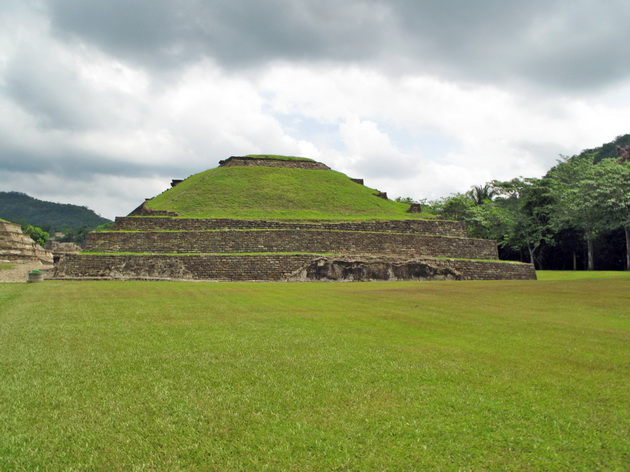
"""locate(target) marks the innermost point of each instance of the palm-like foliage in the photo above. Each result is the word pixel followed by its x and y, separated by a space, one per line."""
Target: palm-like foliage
pixel 482 193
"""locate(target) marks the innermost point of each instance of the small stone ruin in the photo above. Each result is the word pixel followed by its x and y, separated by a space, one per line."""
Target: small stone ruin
pixel 16 247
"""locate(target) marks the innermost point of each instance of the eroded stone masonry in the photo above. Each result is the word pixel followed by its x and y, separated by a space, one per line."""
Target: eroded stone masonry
pixel 163 246
pixel 20 248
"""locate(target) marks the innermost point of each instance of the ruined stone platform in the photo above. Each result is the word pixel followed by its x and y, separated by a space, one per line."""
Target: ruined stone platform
pixel 16 247
pixel 170 248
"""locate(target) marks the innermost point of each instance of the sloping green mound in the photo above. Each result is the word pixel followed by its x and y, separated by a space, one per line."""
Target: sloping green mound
pixel 276 193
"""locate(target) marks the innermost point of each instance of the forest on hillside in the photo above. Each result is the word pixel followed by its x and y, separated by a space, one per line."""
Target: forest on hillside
pixel 72 220
pixel 576 217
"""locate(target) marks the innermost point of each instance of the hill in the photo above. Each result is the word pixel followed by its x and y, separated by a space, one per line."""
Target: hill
pixel 24 209
pixel 277 193
pixel 608 150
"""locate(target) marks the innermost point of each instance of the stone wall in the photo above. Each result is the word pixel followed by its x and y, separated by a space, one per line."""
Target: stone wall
pixel 428 227
pixel 290 164
pixel 309 241
pixel 184 267
pixel 298 267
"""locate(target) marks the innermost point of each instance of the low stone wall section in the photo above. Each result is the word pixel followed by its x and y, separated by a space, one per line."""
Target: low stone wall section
pixel 184 267
pixel 277 268
pixel 428 227
pixel 491 270
pixel 322 242
pixel 286 163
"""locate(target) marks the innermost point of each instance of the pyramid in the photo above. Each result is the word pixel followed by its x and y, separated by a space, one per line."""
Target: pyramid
pixel 278 218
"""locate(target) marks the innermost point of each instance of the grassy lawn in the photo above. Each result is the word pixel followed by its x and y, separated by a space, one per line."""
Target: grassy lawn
pixel 509 375
pixel 578 274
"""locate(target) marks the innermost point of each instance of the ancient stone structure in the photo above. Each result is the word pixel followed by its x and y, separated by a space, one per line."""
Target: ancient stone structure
pixel 59 249
pixel 160 245
pixel 17 247
pixel 271 162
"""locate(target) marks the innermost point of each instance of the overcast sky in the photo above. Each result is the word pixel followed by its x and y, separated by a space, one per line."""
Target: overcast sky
pixel 102 103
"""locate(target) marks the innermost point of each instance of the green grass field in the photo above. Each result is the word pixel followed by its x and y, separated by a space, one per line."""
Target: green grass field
pixel 507 375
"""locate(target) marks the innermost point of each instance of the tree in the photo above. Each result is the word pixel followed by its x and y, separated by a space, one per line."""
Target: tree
pixel 591 198
pixel 610 187
pixel 37 234
pixel 453 207
pixel 481 193
pixel 487 220
pixel 528 202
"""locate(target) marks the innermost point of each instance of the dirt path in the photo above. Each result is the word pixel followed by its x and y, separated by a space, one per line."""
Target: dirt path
pixel 19 272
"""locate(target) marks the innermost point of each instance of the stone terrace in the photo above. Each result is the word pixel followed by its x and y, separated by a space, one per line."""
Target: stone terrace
pixel 276 241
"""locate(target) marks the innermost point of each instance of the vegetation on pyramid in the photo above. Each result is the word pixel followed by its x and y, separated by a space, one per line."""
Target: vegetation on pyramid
pixel 260 192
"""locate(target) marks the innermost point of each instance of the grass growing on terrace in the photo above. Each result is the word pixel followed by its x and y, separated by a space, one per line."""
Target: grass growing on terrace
pixel 510 375
pixel 277 193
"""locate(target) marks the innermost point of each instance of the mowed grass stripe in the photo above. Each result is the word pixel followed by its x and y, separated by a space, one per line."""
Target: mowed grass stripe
pixel 509 375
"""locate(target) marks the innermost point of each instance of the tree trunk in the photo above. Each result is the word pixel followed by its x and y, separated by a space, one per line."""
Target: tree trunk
pixel 627 230
pixel 574 260
pixel 590 257
pixel 531 255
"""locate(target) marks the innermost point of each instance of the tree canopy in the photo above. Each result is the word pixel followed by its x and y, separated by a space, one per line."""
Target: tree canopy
pixel 582 202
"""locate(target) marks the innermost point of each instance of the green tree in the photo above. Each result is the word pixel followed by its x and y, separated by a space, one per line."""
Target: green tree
pixel 37 234
pixel 528 202
pixel 591 198
pixel 454 207
pixel 609 184
pixel 488 219
pixel 481 194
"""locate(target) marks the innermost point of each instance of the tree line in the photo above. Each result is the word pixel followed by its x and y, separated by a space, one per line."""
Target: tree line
pixel 577 216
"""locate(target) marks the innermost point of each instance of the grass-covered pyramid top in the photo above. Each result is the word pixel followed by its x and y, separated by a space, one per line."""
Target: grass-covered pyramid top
pixel 279 192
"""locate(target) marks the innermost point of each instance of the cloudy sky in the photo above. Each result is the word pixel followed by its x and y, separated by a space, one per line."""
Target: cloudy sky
pixel 102 103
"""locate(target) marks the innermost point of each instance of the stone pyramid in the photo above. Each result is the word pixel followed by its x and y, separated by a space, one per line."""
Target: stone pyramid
pixel 170 237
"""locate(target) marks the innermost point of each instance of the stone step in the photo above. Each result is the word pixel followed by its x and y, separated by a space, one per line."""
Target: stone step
pixel 303 241
pixel 432 227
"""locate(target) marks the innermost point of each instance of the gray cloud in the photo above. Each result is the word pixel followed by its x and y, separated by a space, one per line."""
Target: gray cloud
pixel 162 33
pixel 122 91
pixel 550 43
pixel 75 164
pixel 52 94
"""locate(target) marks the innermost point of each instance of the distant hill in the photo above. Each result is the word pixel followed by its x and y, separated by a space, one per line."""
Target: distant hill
pixel 607 150
pixel 23 209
